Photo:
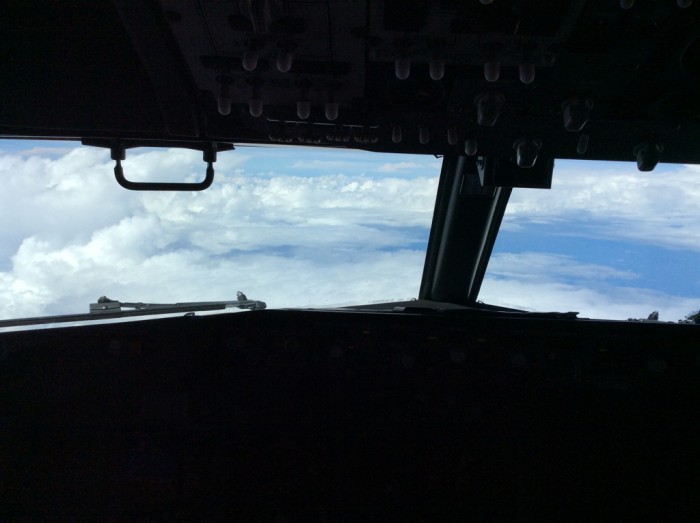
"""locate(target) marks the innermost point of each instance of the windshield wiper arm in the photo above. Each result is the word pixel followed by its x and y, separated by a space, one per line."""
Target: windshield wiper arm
pixel 106 308
pixel 454 309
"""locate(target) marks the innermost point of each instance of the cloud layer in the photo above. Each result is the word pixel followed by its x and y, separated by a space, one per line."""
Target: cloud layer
pixel 614 200
pixel 290 240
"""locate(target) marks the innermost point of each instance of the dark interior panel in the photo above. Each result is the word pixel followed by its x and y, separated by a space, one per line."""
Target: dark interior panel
pixel 234 71
pixel 303 415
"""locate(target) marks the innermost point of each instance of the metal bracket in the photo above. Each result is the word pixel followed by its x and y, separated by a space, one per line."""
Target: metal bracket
pixel 105 305
pixel 118 151
pixel 119 154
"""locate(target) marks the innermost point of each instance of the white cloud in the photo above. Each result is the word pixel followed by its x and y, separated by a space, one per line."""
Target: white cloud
pixel 551 267
pixel 43 151
pixel 604 302
pixel 63 198
pixel 323 164
pixel 616 201
pixel 346 161
pixel 550 282
pixel 70 234
pixel 67 280
pixel 249 212
pixel 287 240
pixel 594 201
pixel 398 166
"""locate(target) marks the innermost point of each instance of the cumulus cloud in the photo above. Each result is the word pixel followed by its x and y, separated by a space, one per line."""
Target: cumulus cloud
pixel 46 281
pixel 63 198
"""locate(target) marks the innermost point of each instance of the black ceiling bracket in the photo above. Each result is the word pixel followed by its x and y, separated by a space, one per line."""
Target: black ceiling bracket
pixel 119 154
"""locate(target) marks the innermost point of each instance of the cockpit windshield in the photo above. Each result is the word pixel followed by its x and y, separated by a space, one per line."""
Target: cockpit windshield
pixel 292 227
pixel 606 240
pixel 303 227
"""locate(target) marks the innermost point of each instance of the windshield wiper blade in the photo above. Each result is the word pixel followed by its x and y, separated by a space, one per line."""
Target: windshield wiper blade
pixel 106 308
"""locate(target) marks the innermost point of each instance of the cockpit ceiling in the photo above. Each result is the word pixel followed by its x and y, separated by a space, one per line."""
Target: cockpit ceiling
pixel 596 79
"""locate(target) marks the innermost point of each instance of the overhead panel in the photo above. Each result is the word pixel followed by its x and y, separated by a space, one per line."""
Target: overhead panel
pixel 589 79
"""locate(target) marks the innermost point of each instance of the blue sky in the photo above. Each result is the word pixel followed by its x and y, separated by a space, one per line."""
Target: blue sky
pixel 660 268
pixel 309 227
